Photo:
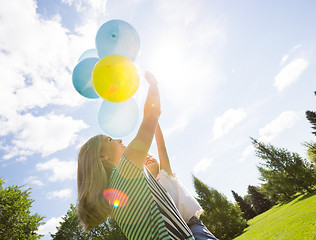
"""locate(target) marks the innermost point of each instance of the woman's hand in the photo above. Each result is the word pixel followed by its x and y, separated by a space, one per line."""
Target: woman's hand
pixel 152 104
pixel 137 150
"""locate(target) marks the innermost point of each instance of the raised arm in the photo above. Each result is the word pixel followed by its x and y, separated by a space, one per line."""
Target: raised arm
pixel 137 150
pixel 162 151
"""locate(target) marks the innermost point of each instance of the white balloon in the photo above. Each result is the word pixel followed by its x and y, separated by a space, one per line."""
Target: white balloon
pixel 118 119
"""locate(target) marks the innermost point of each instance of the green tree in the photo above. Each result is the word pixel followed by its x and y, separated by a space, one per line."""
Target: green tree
pixel 16 221
pixel 311 152
pixel 245 207
pixel 283 171
pixel 259 201
pixel 276 185
pixel 70 229
pixel 311 116
pixel 223 218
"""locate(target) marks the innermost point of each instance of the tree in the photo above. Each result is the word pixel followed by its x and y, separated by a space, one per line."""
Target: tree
pixel 311 152
pixel 16 221
pixel 276 186
pixel 311 116
pixel 283 172
pixel 245 207
pixel 70 229
pixel 259 201
pixel 223 218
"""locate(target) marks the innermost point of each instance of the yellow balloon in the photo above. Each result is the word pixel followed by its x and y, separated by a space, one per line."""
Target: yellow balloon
pixel 115 78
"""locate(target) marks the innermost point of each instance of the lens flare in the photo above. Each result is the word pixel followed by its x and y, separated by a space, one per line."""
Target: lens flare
pixel 115 197
pixel 116 203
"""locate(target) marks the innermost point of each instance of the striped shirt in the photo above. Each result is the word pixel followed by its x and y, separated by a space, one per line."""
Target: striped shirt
pixel 149 212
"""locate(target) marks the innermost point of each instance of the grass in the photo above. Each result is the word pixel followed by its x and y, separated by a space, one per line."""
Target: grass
pixel 295 220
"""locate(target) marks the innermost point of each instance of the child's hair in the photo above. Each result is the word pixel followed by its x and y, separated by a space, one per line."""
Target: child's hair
pixel 92 177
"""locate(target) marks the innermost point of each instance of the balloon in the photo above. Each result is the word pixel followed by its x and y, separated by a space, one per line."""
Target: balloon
pixel 115 78
pixel 81 77
pixel 117 37
pixel 118 119
pixel 90 53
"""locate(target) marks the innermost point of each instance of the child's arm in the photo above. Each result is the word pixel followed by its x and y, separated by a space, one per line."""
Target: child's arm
pixel 162 151
pixel 137 150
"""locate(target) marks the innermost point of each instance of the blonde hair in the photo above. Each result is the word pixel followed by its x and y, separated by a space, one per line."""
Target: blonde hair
pixel 92 178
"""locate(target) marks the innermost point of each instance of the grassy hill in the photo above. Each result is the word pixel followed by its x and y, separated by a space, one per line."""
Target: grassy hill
pixel 295 220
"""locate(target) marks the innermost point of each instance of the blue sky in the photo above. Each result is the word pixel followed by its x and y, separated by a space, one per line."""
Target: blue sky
pixel 227 71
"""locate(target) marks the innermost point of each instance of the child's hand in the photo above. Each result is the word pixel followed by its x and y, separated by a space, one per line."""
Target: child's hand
pixel 150 78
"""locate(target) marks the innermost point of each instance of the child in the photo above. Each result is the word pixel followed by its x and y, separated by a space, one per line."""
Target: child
pixel 187 205
pixel 112 180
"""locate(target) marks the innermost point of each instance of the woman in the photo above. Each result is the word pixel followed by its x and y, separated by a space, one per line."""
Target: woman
pixel 133 197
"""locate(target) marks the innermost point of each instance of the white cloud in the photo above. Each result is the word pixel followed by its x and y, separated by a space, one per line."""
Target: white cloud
pixel 50 226
pixel 202 165
pixel 284 58
pixel 247 152
pixel 285 120
pixel 290 73
pixel 60 170
pixel 13 151
pixel 180 125
pixel 90 6
pixel 43 134
pixel 37 57
pixel 34 181
pixel 271 130
pixel 64 193
pixel 297 46
pixel 226 122
pixel 21 159
pixel 81 140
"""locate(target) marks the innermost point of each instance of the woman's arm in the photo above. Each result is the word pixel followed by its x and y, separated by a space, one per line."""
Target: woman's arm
pixel 137 150
pixel 162 151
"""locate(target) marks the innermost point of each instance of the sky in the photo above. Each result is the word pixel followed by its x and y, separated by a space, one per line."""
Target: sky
pixel 227 71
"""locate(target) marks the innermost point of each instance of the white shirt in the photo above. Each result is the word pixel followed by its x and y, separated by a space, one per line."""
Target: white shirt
pixel 185 202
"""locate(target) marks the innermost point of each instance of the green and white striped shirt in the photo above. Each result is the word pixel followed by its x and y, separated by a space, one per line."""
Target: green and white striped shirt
pixel 150 212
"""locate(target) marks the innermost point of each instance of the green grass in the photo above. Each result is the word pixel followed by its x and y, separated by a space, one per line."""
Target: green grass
pixel 295 220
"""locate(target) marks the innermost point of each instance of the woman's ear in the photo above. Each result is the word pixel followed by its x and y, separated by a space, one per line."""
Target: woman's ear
pixel 103 158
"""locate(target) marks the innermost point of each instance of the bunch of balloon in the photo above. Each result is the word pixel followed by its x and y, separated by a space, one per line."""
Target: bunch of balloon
pixel 81 75
pixel 109 72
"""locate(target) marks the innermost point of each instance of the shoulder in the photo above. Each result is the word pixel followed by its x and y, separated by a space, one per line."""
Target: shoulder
pixel 164 175
pixel 126 169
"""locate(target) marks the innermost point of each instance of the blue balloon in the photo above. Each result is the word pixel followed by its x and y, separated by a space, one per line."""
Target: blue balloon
pixel 90 53
pixel 118 119
pixel 81 77
pixel 117 37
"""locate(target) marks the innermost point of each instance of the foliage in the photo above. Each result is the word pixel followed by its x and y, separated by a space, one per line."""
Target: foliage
pixel 311 152
pixel 259 201
pixel 311 116
pixel 245 207
pixel 16 221
pixel 223 218
pixel 294 220
pixel 70 229
pixel 278 188
pixel 284 173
